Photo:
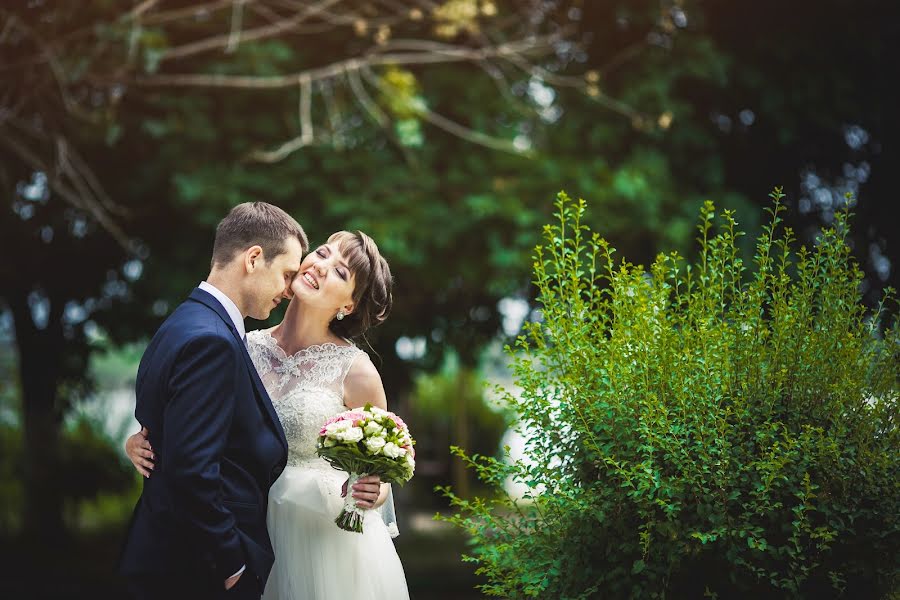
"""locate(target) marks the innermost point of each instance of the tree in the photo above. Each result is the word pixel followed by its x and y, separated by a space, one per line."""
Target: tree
pixel 440 128
pixel 126 133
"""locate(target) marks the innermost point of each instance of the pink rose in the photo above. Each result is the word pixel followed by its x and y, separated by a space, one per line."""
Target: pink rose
pixel 344 416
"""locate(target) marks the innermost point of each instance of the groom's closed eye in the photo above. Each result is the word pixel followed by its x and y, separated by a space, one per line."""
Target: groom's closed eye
pixel 288 281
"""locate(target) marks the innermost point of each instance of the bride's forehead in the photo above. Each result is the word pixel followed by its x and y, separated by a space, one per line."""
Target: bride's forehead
pixel 331 248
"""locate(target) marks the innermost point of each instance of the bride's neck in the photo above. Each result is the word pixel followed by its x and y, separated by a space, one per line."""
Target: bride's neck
pixel 300 330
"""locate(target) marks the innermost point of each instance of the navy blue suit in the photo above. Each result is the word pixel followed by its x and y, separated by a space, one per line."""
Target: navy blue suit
pixel 219 447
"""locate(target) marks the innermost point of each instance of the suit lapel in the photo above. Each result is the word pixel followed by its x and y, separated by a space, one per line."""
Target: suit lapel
pixel 262 395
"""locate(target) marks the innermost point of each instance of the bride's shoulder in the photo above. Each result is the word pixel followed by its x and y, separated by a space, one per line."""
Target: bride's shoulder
pixel 259 333
pixel 260 337
pixel 363 384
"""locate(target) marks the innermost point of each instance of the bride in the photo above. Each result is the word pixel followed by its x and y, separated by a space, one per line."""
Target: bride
pixel 311 372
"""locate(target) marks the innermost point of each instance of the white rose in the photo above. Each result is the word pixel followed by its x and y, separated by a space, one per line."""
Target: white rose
pixel 353 434
pixel 374 444
pixel 337 427
pixel 392 450
pixel 373 428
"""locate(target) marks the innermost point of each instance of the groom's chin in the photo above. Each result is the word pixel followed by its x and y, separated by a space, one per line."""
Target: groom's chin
pixel 266 312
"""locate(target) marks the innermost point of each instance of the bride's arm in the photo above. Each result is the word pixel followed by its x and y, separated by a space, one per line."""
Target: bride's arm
pixel 363 386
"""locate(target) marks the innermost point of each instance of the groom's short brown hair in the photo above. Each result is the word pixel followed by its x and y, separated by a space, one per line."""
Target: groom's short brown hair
pixel 255 223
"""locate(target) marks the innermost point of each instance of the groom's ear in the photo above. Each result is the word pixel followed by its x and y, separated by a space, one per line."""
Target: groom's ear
pixel 253 257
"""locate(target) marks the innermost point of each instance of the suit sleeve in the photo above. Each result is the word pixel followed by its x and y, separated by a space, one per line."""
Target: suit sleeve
pixel 197 420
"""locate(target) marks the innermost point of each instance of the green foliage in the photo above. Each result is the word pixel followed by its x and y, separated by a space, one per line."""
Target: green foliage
pixel 97 484
pixel 439 398
pixel 92 464
pixel 450 408
pixel 696 429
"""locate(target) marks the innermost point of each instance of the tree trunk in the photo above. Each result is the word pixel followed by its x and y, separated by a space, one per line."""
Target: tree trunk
pixel 40 361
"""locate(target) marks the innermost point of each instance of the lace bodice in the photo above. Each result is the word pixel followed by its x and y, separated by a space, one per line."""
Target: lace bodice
pixel 306 388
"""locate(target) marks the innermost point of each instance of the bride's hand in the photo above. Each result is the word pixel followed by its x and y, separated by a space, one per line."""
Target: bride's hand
pixel 366 491
pixel 140 452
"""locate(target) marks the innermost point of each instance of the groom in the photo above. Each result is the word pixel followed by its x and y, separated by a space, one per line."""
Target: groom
pixel 199 528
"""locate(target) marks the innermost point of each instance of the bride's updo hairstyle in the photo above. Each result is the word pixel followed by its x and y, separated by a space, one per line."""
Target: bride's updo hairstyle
pixel 372 292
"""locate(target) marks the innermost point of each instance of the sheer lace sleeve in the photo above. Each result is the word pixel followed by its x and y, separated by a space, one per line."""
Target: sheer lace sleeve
pixel 388 515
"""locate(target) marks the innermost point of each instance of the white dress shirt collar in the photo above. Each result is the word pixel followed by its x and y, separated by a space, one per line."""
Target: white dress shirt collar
pixel 230 307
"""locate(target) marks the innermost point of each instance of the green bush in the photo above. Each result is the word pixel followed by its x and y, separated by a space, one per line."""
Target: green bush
pixel 697 430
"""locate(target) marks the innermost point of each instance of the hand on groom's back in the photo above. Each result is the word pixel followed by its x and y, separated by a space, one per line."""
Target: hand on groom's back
pixel 140 452
pixel 232 581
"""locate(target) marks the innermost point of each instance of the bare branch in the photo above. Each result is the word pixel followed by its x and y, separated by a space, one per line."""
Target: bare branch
pixel 468 134
pixel 259 33
pixel 141 8
pixel 374 57
pixel 306 136
pixel 267 13
pixel 576 82
pixel 81 169
pixel 84 201
pixel 237 16
pixel 306 126
pixel 279 153
pixel 182 13
pixel 331 110
pixel 55 68
pixel 449 126
pixel 365 99
pixel 622 57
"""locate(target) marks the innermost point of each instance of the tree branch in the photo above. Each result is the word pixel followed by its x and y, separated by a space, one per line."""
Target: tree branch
pixel 84 201
pixel 365 99
pixel 237 17
pixel 373 57
pixel 249 35
pixel 466 133
pixel 182 13
pixel 279 153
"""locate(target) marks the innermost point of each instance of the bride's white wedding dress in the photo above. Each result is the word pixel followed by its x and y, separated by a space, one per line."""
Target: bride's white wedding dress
pixel 314 559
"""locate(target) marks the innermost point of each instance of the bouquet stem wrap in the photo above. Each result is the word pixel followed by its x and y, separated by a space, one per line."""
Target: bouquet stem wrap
pixel 351 517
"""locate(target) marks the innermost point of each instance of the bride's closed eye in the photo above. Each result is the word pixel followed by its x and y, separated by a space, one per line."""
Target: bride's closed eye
pixel 339 271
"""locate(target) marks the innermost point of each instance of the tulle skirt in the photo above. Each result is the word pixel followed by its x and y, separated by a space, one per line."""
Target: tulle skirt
pixel 316 560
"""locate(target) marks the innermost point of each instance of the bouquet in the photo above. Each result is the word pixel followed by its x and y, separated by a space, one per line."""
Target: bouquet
pixel 366 441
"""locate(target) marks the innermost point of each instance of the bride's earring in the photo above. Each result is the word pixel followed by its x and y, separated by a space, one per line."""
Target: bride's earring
pixel 340 315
